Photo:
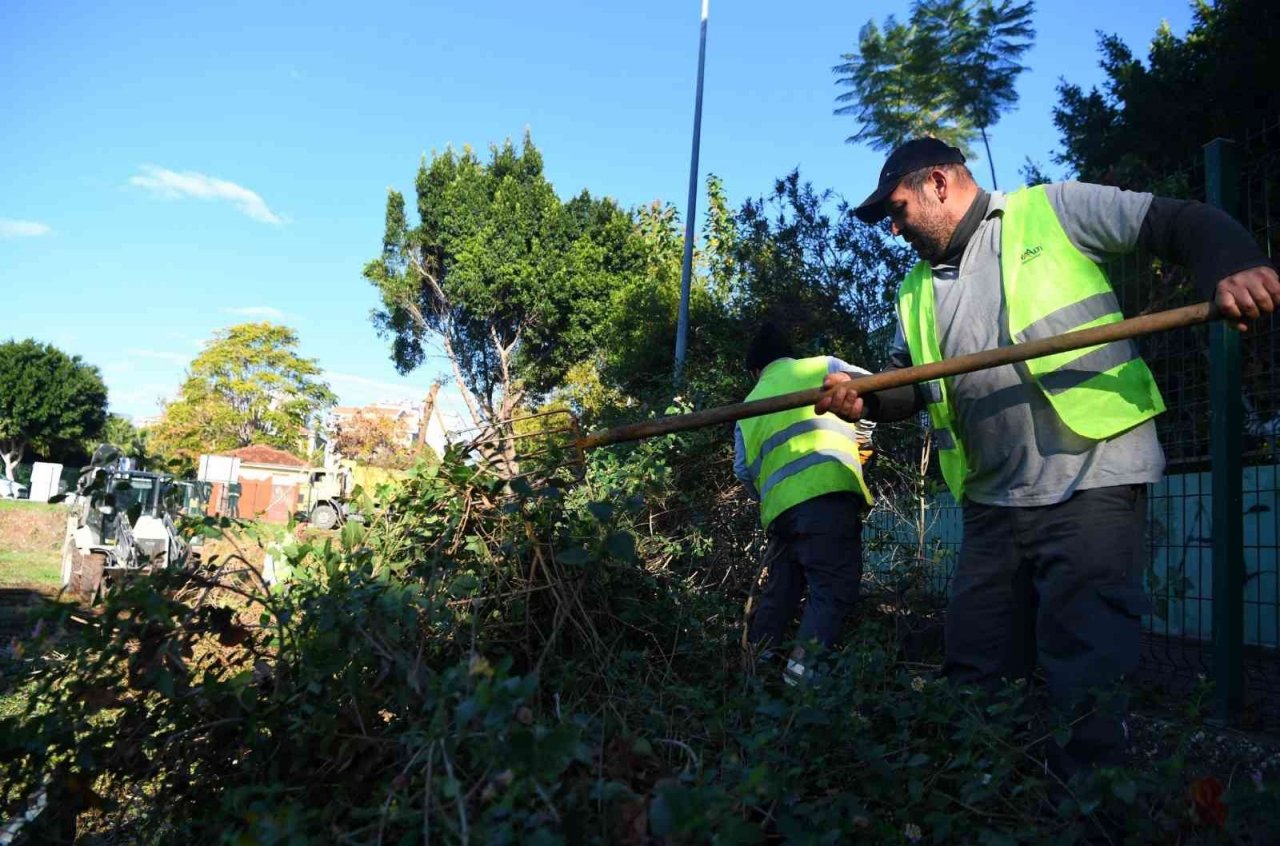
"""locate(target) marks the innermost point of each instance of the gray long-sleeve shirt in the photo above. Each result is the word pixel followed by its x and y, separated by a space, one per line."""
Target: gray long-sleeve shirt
pixel 1019 451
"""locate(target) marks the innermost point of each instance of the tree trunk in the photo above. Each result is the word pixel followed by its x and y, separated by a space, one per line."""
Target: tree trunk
pixel 493 444
pixel 11 458
pixel 428 411
pixel 508 467
pixel 987 144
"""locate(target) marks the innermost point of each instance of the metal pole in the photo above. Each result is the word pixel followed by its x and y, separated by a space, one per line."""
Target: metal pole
pixel 691 208
pixel 1222 189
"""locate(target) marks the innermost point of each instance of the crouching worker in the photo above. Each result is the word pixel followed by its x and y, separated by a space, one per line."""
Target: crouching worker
pixel 806 471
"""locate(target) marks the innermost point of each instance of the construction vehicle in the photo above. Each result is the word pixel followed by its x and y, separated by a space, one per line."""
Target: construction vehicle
pixel 121 521
pixel 327 499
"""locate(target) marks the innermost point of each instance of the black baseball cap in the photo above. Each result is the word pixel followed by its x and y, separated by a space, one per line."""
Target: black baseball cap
pixel 910 157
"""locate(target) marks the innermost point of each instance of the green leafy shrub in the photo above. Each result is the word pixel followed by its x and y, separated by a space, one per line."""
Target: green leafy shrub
pixel 539 662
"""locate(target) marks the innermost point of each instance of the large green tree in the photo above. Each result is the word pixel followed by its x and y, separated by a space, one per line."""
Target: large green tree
pixel 248 386
pixel 640 328
pixel 49 401
pixel 510 283
pixel 951 71
pixel 1150 120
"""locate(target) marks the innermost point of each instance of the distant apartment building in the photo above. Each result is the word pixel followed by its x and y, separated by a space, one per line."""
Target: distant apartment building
pixel 419 423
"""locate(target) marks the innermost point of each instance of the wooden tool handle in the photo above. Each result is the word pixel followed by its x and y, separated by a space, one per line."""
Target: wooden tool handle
pixel 1134 327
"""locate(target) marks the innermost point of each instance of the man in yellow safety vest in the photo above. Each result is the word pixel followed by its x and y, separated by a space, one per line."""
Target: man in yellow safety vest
pixel 1051 458
pixel 806 471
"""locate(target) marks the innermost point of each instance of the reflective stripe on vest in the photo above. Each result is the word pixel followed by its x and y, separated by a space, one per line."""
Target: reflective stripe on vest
pixel 795 455
pixel 1049 288
pixel 818 456
pixel 944 439
pixel 1089 310
pixel 830 424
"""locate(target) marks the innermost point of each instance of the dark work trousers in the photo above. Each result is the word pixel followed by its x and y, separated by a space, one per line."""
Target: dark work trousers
pixel 1062 584
pixel 816 543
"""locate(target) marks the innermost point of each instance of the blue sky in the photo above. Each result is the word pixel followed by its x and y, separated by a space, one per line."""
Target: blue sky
pixel 167 169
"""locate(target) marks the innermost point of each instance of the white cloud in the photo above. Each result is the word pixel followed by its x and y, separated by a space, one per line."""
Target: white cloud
pixel 258 312
pixel 172 185
pixel 365 385
pixel 138 400
pixel 161 355
pixel 10 228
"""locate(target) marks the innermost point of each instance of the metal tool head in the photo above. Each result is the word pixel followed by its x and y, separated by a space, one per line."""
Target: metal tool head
pixel 535 446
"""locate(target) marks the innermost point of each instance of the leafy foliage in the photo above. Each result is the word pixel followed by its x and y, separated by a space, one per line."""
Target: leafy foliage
pixel 804 259
pixel 949 73
pixel 248 386
pixel 498 267
pixel 796 255
pixel 1150 120
pixel 539 666
pixel 637 343
pixel 378 440
pixel 133 442
pixel 49 401
pixel 893 93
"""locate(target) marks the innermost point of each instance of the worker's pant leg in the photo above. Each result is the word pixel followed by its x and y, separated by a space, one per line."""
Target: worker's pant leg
pixel 830 553
pixel 1088 554
pixel 783 589
pixel 816 544
pixel 989 628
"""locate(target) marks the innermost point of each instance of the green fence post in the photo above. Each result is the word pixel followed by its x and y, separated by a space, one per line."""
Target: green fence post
pixel 1222 189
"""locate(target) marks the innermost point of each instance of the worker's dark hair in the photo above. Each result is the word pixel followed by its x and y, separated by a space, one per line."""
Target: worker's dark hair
pixel 770 344
pixel 915 179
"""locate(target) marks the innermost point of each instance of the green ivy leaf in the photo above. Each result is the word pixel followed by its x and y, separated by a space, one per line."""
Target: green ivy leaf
pixel 353 534
pixel 772 708
pixel 622 546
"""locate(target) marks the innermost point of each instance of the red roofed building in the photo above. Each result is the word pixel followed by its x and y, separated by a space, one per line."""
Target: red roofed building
pixel 270 480
pixel 260 455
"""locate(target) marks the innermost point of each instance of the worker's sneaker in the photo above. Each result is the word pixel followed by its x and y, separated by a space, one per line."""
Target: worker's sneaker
pixel 795 673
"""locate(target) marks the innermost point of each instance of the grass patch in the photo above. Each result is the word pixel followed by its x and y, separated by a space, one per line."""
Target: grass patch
pixel 35 569
pixel 27 505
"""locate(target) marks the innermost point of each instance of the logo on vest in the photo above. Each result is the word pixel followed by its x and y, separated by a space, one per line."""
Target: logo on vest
pixel 1030 253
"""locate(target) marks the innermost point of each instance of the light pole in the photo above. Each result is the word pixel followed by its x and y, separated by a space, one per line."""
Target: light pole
pixel 686 270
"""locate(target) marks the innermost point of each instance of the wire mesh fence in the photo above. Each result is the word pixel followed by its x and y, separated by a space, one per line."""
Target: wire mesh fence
pixel 1179 637
pixel 1260 351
